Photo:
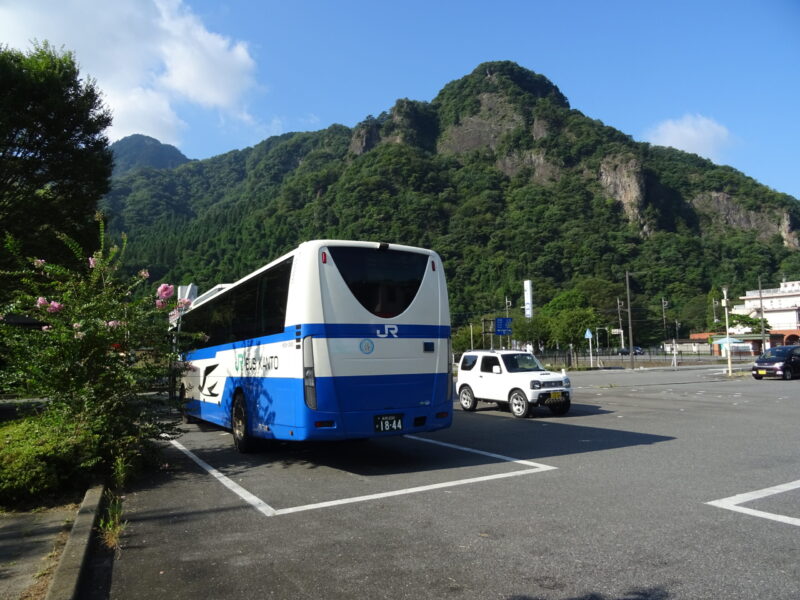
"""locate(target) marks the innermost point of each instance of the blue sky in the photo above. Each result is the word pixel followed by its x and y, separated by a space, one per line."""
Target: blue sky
pixel 717 77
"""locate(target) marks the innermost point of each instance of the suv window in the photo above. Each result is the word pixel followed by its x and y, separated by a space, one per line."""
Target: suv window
pixel 468 362
pixel 521 363
pixel 488 363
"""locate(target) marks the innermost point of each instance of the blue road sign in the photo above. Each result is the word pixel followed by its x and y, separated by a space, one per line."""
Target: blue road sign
pixel 502 325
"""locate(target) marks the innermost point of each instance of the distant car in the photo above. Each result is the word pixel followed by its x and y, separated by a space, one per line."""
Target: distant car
pixel 637 350
pixel 513 378
pixel 780 361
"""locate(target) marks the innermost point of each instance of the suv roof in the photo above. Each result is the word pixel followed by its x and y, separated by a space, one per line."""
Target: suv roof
pixel 496 352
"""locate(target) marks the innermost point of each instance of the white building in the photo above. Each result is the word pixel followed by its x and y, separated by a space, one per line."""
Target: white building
pixel 781 308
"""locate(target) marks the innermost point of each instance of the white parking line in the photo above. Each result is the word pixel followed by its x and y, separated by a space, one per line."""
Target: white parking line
pixel 734 502
pixel 267 510
pixel 255 501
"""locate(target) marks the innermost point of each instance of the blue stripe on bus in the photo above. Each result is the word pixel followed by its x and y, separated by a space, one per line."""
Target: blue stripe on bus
pixel 346 405
pixel 329 330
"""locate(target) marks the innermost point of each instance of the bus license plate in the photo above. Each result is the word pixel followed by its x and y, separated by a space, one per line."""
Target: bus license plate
pixel 388 422
pixel 555 395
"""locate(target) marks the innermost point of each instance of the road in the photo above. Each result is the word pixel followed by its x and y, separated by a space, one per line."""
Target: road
pixel 612 501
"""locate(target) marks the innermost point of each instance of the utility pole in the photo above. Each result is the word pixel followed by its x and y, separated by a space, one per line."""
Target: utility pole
pixel 508 305
pixel 761 312
pixel 630 319
pixel 619 316
pixel 664 305
pixel 727 328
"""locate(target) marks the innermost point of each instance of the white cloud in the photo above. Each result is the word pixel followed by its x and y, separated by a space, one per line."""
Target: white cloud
pixel 204 67
pixel 147 56
pixel 692 133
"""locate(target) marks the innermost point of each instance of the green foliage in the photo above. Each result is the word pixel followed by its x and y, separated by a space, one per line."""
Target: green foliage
pixel 44 456
pixel 752 323
pixel 138 151
pixel 100 347
pixel 459 99
pixel 54 157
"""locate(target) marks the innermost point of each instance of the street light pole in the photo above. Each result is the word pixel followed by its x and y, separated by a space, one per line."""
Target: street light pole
pixel 727 328
pixel 630 319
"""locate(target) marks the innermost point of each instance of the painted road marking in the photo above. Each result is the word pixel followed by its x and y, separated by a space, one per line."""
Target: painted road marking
pixel 268 511
pixel 734 502
pixel 255 501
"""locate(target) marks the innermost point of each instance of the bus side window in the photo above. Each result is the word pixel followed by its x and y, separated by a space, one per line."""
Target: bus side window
pixel 244 308
pixel 273 294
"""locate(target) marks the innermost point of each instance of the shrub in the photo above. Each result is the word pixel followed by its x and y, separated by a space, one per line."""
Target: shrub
pixel 100 346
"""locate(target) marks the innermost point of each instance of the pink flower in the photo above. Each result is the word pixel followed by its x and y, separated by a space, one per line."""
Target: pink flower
pixel 41 302
pixel 165 291
pixel 144 273
pixel 92 262
pixel 160 303
pixel 46 328
pixel 38 263
pixel 113 323
pixel 55 307
pixel 184 302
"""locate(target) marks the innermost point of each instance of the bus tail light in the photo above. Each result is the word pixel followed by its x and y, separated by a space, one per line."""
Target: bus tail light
pixel 309 379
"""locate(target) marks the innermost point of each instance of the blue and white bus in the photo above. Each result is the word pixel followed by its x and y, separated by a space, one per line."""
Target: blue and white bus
pixel 334 340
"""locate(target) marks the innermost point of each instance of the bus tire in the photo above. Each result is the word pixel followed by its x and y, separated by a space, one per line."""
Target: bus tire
pixel 242 440
pixel 467 399
pixel 518 402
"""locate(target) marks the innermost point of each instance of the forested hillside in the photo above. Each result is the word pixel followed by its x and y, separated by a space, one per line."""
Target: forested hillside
pixel 138 151
pixel 501 177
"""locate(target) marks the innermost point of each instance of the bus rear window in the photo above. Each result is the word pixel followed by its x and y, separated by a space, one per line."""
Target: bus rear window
pixel 383 281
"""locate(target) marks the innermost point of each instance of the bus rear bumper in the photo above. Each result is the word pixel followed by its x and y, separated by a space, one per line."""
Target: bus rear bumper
pixel 343 426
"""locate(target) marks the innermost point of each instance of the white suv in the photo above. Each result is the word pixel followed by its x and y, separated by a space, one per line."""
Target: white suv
pixel 510 377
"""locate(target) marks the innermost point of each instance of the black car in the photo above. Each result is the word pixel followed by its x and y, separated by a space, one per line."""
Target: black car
pixel 780 361
pixel 637 350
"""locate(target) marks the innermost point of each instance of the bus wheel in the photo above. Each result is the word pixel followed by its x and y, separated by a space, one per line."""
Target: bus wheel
pixel 519 404
pixel 242 440
pixel 467 399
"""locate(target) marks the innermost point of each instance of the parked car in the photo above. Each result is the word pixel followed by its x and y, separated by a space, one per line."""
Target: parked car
pixel 510 378
pixel 780 361
pixel 637 350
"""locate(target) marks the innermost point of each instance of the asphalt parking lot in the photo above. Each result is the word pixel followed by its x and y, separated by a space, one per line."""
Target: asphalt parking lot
pixel 658 484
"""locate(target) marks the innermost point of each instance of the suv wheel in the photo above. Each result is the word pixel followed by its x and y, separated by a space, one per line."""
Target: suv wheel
pixel 467 399
pixel 519 404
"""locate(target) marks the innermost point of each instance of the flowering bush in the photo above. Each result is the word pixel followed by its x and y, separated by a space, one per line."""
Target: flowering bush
pixel 99 348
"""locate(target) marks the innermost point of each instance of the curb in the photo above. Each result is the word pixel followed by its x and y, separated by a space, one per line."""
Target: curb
pixel 66 578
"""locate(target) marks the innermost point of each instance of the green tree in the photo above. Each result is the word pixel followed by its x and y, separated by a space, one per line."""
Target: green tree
pixel 54 158
pixel 753 323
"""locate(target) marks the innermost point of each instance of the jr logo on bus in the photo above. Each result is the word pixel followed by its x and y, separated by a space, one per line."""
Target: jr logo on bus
pixel 388 330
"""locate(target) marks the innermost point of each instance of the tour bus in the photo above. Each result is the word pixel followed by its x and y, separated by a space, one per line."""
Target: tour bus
pixel 334 340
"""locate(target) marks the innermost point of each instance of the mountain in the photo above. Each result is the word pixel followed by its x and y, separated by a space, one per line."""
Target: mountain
pixel 502 178
pixel 140 151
